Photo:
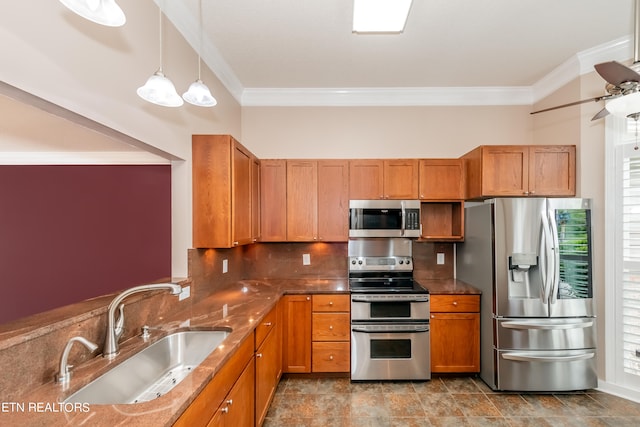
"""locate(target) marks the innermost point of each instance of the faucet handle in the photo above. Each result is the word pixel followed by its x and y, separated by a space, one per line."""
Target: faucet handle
pixel 119 327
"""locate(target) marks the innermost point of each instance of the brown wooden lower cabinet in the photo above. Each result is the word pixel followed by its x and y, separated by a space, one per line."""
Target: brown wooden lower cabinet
pixel 316 333
pixel 268 361
pixel 455 333
pixel 331 332
pixel 212 400
pixel 237 410
pixel 296 329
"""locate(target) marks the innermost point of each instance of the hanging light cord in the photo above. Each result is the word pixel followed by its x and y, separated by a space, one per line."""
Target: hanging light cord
pixel 200 38
pixel 160 26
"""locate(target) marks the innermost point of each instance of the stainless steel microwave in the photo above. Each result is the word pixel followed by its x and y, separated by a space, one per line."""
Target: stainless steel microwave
pixel 384 218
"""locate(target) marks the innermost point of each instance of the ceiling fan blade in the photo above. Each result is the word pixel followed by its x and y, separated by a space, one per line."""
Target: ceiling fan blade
pixel 616 73
pixel 596 99
pixel 602 113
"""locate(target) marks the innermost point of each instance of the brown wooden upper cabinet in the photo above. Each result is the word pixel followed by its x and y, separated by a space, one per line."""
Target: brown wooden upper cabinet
pixel 273 200
pixel 383 179
pixel 520 170
pixel 222 192
pixel 441 179
pixel 317 200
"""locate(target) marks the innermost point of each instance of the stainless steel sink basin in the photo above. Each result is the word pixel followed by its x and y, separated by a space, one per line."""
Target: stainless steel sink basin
pixel 153 371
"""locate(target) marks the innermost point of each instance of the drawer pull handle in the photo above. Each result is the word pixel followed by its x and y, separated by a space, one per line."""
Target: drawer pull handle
pixel 308 298
pixel 455 303
pixel 330 302
pixel 331 357
pixel 331 327
pixel 225 409
pixel 267 324
pixel 258 354
pixel 230 402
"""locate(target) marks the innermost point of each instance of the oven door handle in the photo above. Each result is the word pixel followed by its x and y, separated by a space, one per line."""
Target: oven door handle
pixel 391 300
pixel 395 331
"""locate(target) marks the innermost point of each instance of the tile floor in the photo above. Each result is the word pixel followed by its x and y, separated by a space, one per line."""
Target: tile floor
pixel 443 401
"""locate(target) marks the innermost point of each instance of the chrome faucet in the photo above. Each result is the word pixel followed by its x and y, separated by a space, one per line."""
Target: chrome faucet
pixel 65 374
pixel 114 329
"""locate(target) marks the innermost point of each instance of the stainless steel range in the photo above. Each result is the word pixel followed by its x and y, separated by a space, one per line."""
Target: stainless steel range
pixel 389 312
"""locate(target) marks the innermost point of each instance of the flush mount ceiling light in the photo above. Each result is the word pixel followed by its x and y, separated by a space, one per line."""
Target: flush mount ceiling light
pixel 103 12
pixel 198 93
pixel 380 16
pixel 158 89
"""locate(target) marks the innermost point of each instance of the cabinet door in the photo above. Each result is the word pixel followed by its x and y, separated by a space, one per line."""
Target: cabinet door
pixel 296 330
pixel 401 179
pixel 273 200
pixel 333 200
pixel 241 200
pixel 366 179
pixel 238 408
pixel 255 199
pixel 505 170
pixel 455 342
pixel 268 369
pixel 552 170
pixel 212 180
pixel 441 179
pixel 302 200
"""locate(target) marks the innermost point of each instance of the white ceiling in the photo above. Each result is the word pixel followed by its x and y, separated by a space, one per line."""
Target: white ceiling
pixel 265 50
pixel 293 44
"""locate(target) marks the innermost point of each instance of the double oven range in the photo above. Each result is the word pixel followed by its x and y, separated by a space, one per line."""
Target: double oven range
pixel 389 312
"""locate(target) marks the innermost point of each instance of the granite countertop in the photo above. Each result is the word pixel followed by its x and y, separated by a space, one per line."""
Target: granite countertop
pixel 448 287
pixel 248 301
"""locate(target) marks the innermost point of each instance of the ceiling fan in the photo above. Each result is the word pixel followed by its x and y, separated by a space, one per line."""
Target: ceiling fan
pixel 623 83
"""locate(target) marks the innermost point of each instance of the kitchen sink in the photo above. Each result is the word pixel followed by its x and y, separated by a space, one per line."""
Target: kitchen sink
pixel 153 371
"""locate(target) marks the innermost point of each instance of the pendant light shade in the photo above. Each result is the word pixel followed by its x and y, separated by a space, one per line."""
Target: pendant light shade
pixel 160 91
pixel 103 12
pixel 624 106
pixel 199 94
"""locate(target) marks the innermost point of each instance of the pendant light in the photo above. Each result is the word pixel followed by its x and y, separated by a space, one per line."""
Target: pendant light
pixel 103 12
pixel 198 93
pixel 158 89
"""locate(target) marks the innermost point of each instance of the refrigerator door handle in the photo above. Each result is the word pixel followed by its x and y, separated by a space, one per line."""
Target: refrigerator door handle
pixel 547 326
pixel 526 357
pixel 555 283
pixel 547 257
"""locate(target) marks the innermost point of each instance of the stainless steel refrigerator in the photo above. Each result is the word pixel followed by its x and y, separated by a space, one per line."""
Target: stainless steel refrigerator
pixel 532 260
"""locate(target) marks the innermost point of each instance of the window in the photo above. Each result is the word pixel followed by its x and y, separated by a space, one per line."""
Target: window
pixel 623 260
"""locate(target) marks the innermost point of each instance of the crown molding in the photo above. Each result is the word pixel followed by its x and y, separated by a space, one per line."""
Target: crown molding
pixel 582 63
pixel 417 96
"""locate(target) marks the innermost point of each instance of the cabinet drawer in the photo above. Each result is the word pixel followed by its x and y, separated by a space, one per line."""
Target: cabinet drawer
pixel 331 357
pixel 268 323
pixel 455 303
pixel 330 326
pixel 333 302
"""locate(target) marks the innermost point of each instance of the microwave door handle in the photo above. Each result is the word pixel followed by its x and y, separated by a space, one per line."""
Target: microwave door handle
pixel 403 215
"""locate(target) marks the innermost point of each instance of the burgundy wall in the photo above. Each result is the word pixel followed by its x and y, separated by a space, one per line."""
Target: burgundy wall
pixel 68 233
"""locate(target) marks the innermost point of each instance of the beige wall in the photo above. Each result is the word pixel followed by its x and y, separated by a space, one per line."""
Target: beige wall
pixel 381 132
pixel 95 70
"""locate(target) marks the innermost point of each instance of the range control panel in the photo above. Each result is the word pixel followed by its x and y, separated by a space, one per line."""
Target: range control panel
pixel 357 263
